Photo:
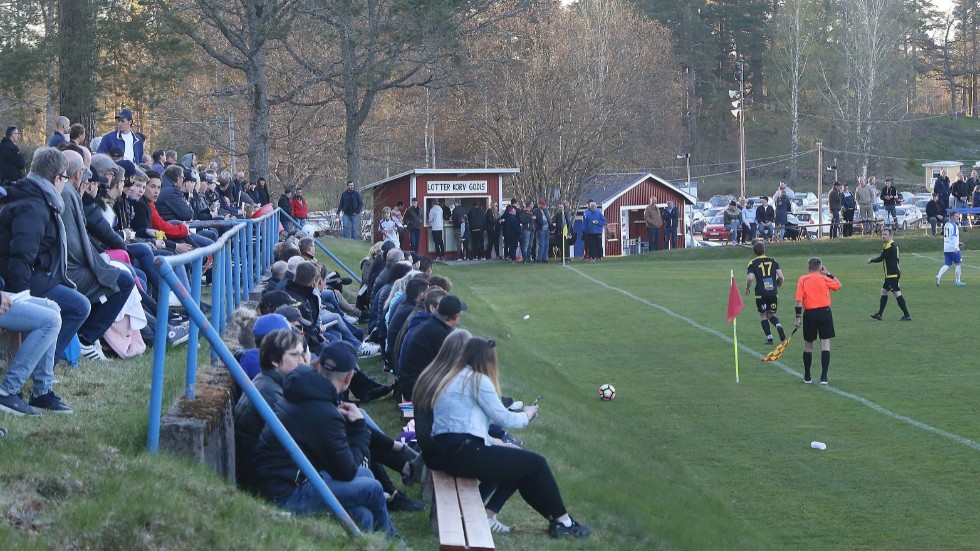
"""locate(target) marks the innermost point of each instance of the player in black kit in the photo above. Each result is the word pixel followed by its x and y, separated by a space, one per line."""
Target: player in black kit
pixel 765 272
pixel 889 258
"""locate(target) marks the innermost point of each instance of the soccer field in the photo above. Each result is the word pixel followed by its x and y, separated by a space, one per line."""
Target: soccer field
pixel 685 457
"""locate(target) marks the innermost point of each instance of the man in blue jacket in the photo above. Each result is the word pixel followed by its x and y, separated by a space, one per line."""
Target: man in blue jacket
pixel 334 437
pixel 593 224
pixel 131 143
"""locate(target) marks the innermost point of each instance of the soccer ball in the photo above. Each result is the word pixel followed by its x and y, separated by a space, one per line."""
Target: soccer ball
pixel 607 392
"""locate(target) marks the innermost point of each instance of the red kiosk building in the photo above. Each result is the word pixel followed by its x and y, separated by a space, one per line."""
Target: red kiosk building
pixel 471 186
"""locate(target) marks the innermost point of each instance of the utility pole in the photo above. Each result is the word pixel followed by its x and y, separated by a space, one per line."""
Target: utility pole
pixel 820 190
pixel 739 113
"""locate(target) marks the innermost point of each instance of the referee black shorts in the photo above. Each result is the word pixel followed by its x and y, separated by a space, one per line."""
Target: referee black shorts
pixel 818 322
pixel 891 284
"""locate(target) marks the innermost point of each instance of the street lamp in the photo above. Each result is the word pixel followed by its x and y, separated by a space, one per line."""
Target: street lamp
pixel 687 158
pixel 739 113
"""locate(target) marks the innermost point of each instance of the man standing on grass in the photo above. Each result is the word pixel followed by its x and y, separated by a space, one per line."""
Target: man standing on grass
pixel 765 273
pixel 889 260
pixel 813 313
pixel 951 248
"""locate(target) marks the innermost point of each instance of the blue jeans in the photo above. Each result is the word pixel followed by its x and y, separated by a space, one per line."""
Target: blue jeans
pixel 653 236
pixel 413 237
pixel 202 238
pixel 733 231
pixel 362 498
pixel 40 319
pixel 338 329
pixel 352 225
pixel 75 309
pixel 526 245
pixel 671 233
pixel 542 245
pixel 103 314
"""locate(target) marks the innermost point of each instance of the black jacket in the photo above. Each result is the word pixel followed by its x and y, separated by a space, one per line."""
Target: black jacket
pixel 935 209
pixel 309 306
pixel 98 228
pixel 457 215
pixel 33 252
pixel 961 190
pixel 350 203
pixel 263 195
pixel 493 222
pixel 11 161
pixel 413 218
pixel 764 214
pixel 171 205
pixel 285 204
pixel 308 411
pixel 249 424
pixel 478 218
pixel 419 351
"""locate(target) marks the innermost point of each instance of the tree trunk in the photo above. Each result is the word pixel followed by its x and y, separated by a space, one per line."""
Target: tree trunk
pixel 258 141
pixel 77 88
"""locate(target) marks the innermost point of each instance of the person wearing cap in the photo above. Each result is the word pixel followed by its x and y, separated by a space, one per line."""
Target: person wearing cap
pixel 542 231
pixel 764 217
pixel 671 219
pixel 332 434
pixel 889 198
pixel 131 143
pixel 286 205
pixel 835 203
pixel 732 218
pixel 848 207
pixel 422 345
pixel 281 351
pixel 748 221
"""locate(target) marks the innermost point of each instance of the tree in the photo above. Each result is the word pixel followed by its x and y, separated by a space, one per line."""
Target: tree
pixel 790 61
pixel 575 92
pixel 374 46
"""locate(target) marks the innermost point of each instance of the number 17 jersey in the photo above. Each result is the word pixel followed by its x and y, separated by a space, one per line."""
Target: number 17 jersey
pixel 764 268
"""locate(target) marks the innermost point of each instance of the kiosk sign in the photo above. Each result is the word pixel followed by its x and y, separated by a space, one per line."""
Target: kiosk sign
pixel 455 187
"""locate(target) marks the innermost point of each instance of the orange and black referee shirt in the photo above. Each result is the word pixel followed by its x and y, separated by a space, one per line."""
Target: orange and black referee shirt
pixel 813 290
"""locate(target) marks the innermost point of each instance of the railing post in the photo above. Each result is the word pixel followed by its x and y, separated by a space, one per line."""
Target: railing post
pixel 192 335
pixel 159 363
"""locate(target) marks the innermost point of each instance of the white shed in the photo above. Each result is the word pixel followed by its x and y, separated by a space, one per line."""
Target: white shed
pixel 933 168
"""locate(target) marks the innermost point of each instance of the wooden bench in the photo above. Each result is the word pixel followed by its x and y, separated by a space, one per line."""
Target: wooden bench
pixel 458 510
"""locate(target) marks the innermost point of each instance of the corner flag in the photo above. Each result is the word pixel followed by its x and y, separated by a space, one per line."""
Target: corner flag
pixel 734 307
pixel 734 301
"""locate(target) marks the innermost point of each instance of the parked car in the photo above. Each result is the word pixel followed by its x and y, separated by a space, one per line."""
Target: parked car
pixel 701 219
pixel 909 216
pixel 907 197
pixel 809 217
pixel 715 229
pixel 720 200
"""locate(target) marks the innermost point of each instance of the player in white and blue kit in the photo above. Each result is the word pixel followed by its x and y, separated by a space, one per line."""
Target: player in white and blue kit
pixel 951 248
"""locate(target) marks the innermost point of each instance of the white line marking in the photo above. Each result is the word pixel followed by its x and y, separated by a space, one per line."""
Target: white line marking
pixel 888 413
pixel 940 260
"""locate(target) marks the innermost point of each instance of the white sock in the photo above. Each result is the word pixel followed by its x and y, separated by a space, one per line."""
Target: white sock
pixel 567 523
pixel 942 271
pixel 958 271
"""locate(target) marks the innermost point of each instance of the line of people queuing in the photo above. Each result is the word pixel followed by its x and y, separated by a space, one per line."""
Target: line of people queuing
pixel 311 378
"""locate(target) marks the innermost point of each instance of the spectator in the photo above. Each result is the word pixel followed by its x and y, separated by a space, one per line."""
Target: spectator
pixel 60 134
pixel 541 231
pixel 848 206
pixel 835 201
pixel 11 162
pixel 32 246
pixel 764 218
pixel 670 225
pixel 158 159
pixel 39 320
pixel 76 134
pixel 961 192
pixel 286 204
pixel 170 158
pixel 131 143
pixel 281 351
pixel 413 221
pixel 594 223
pixel 511 225
pixel 654 222
pixel 461 396
pixel 172 204
pixel 389 227
pixel 782 206
pixel 350 207
pixel 334 437
pixel 436 224
pixel 147 221
pixel 106 287
pixel 748 221
pixel 865 196
pixel 942 188
pixel 262 192
pixel 493 232
pixel 478 225
pixel 421 346
pixel 732 218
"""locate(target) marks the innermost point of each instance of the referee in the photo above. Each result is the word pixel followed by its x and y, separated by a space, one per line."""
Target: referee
pixel 813 313
pixel 889 259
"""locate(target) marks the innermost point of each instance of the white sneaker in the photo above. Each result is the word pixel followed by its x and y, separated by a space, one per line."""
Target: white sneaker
pixel 94 352
pixel 516 406
pixel 350 319
pixel 496 526
pixel 369 349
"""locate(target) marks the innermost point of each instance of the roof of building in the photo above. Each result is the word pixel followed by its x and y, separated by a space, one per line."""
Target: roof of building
pixel 940 164
pixel 455 171
pixel 604 189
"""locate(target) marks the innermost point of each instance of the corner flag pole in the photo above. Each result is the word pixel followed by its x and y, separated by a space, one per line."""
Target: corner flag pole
pixel 734 307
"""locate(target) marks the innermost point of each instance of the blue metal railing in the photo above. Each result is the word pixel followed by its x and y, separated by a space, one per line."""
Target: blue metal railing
pixel 319 245
pixel 246 244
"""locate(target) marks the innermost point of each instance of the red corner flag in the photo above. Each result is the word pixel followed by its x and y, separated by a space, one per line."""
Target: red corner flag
pixel 734 302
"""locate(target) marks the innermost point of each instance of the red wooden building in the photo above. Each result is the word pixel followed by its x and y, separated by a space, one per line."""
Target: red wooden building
pixel 471 186
pixel 623 198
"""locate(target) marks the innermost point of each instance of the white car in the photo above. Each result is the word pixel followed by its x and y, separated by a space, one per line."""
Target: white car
pixel 809 219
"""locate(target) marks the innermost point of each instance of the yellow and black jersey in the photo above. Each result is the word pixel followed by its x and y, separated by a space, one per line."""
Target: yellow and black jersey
pixel 764 269
pixel 889 259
